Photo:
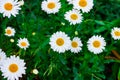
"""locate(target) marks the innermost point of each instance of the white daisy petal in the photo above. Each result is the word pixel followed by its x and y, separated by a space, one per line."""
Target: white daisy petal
pixel 76 45
pixel 115 33
pixel 9 7
pixel 13 68
pixel 84 5
pixel 51 6
pixel 21 3
pixel 59 42
pixel 96 44
pixel 70 1
pixel 2 56
pixel 73 16
pixel 23 43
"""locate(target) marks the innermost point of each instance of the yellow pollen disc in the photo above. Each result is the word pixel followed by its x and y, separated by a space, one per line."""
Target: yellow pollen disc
pixel 59 41
pixel 8 31
pixel 13 68
pixel 23 44
pixel 8 6
pixel 117 33
pixel 74 16
pixel 74 44
pixel 51 5
pixel 82 3
pixel 96 44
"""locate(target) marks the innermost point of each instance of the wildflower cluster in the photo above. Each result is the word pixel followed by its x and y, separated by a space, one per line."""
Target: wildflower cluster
pixel 13 68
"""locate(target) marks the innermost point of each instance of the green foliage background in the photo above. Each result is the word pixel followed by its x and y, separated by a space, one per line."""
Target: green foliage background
pixel 68 66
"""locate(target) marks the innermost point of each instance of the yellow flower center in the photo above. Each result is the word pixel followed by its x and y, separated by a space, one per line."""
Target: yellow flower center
pixel 74 16
pixel 23 44
pixel 96 44
pixel 74 44
pixel 13 68
pixel 8 6
pixel 82 3
pixel 117 33
pixel 59 41
pixel 51 5
pixel 8 31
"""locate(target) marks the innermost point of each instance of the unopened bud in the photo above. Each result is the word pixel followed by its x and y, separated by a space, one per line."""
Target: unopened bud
pixel 33 33
pixel 76 32
pixel 35 71
pixel 12 40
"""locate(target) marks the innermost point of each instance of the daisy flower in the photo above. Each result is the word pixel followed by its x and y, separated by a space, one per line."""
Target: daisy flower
pixel 2 56
pixel 9 31
pixel 76 45
pixel 96 44
pixel 13 68
pixel 116 33
pixel 9 7
pixel 60 42
pixel 23 43
pixel 51 6
pixel 84 5
pixel 73 16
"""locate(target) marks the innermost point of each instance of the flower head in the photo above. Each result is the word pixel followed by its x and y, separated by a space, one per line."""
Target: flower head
pixel 115 33
pixel 51 6
pixel 13 68
pixel 96 44
pixel 84 5
pixel 23 43
pixel 9 31
pixel 76 45
pixel 73 16
pixel 59 42
pixel 9 7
